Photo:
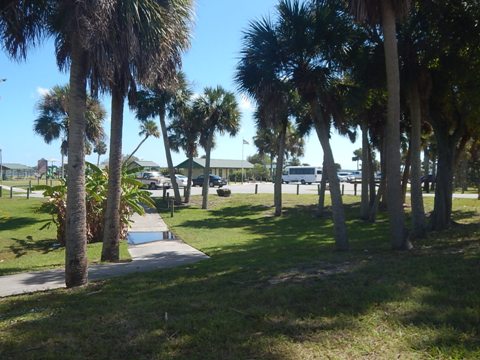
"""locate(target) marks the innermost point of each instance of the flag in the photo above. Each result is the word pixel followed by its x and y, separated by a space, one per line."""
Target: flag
pixel 245 142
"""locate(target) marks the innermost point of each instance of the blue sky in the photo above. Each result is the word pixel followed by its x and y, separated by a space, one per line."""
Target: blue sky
pixel 211 61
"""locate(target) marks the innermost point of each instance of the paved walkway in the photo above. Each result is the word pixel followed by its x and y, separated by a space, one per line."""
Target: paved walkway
pixel 145 257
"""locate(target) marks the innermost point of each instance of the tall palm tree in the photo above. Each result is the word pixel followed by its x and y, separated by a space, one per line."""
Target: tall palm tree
pixel 161 100
pixel 146 40
pixel 80 30
pixel 387 12
pixel 147 128
pixel 53 119
pixel 314 35
pixel 259 76
pixel 218 112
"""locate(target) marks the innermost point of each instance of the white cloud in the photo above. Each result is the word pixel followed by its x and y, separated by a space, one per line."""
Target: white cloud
pixel 245 103
pixel 42 91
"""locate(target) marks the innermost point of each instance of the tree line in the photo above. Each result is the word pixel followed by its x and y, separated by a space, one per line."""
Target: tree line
pixel 404 72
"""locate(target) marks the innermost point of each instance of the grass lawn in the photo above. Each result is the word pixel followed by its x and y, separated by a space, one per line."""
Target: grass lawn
pixel 23 247
pixel 273 289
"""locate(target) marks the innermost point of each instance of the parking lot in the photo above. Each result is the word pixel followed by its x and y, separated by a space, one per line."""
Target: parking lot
pixel 265 188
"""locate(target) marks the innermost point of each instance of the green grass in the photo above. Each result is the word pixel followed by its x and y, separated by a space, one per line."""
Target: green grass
pixel 24 247
pixel 274 288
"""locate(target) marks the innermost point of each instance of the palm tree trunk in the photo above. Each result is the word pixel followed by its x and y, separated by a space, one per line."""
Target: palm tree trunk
pixel 206 171
pixel 341 239
pixel 168 154
pixel 277 190
pixel 416 198
pixel 371 165
pixel 364 204
pixel 380 193
pixel 76 271
pixel 406 174
pixel 63 165
pixel 189 177
pixel 442 208
pixel 98 160
pixel 136 149
pixel 394 200
pixel 111 234
pixel 323 188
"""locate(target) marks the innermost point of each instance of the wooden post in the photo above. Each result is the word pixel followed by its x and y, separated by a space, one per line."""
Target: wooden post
pixel 318 189
pixel 355 188
pixel 172 207
pixel 298 189
pixel 256 188
pixel 51 182
pixel 343 189
pixel 30 185
pixel 11 192
pixel 28 193
pixel 1 191
pixel 164 192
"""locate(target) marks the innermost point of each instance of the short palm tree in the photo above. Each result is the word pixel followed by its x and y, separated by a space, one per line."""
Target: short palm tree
pixel 218 112
pixel 161 100
pixel 52 123
pixel 184 133
pixel 100 149
pixel 386 12
pixel 147 128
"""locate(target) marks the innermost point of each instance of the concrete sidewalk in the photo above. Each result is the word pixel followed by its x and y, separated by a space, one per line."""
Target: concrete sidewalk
pixel 145 257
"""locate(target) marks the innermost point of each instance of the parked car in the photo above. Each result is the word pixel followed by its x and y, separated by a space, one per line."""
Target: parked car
pixel 343 176
pixel 154 180
pixel 214 180
pixel 182 180
pixel 355 176
pixel 430 178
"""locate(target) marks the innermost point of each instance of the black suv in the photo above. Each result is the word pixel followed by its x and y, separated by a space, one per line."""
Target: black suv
pixel 213 181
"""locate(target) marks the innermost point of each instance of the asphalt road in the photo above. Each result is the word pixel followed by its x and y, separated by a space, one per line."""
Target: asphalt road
pixel 267 188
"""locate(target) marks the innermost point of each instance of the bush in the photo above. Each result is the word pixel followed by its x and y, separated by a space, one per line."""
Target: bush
pixel 224 192
pixel 96 187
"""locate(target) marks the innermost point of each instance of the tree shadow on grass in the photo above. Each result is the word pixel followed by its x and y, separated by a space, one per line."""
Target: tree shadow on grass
pixel 23 246
pixel 228 307
pixel 18 222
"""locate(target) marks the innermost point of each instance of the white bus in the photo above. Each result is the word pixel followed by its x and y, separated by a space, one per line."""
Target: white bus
pixel 302 174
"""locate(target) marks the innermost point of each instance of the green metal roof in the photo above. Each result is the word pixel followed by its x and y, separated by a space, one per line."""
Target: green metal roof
pixel 16 166
pixel 146 163
pixel 217 164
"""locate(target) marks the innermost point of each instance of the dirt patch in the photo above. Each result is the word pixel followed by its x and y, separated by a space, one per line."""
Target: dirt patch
pixel 319 271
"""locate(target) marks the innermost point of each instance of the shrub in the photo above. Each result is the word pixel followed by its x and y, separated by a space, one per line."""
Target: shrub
pixel 96 187
pixel 224 192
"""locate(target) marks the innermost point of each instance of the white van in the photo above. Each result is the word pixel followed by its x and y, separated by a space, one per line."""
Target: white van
pixel 302 174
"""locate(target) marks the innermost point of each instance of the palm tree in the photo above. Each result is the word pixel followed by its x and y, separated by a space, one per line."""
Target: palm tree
pixel 314 35
pixel 162 100
pixel 386 12
pixel 53 119
pixel 218 111
pixel 146 39
pixel 258 75
pixel 147 128
pixel 184 133
pixel 100 149
pixel 80 30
